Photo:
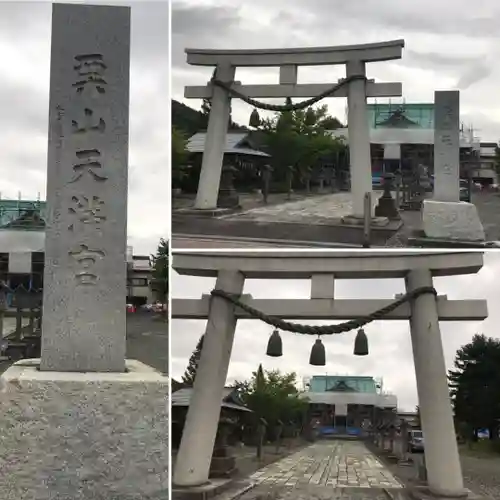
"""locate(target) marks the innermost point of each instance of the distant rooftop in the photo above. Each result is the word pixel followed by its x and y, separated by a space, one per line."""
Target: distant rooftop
pixel 230 399
pixel 401 115
pixel 22 214
pixel 343 383
pixel 236 143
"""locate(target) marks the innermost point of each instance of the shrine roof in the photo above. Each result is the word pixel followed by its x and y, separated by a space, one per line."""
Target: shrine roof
pixel 236 143
pixel 230 400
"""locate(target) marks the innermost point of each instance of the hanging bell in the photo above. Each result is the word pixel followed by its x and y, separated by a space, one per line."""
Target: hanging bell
pixel 254 121
pixel 318 356
pixel 361 343
pixel 275 345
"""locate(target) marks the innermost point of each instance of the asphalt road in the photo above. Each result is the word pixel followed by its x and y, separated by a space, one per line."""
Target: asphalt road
pixel 147 341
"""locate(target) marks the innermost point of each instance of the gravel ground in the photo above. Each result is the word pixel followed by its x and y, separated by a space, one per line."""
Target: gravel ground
pixel 481 473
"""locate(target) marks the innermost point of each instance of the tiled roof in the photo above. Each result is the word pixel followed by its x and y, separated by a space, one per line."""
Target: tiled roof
pixel 182 397
pixel 196 144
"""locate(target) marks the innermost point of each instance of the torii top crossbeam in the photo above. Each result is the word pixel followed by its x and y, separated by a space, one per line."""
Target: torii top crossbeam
pixel 323 268
pixel 343 265
pixel 305 56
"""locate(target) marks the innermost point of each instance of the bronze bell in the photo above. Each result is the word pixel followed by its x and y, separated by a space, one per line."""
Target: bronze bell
pixel 254 121
pixel 318 356
pixel 361 343
pixel 275 345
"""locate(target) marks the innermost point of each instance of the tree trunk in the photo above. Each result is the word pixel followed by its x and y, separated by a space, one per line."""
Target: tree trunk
pixel 493 431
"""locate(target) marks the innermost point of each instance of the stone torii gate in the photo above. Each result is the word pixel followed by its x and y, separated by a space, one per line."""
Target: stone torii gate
pixel 322 269
pixel 356 90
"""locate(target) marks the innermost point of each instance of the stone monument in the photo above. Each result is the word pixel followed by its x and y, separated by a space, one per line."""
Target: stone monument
pixel 86 233
pixel 82 422
pixel 445 217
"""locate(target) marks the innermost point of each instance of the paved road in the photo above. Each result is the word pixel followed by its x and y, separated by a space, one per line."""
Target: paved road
pixel 193 241
pixel 488 206
pixel 328 466
pixel 147 341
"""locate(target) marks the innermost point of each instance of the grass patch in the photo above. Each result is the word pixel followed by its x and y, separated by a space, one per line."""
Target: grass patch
pixel 482 448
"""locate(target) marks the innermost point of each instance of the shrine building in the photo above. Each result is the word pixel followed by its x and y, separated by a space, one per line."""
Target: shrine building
pixel 343 404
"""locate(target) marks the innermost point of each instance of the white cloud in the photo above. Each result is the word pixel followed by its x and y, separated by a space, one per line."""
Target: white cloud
pixel 25 30
pixel 449 44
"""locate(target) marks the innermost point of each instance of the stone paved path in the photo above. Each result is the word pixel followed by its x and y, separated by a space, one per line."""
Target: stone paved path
pixel 330 464
pixel 317 209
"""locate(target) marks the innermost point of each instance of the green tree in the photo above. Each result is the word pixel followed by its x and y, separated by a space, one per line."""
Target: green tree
pixel 190 374
pixel 179 156
pixel 161 272
pixel 419 417
pixel 299 138
pixel 475 385
pixel 206 107
pixel 274 397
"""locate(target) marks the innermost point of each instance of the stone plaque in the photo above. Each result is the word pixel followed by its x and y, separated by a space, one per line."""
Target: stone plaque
pixel 84 321
pixel 447 146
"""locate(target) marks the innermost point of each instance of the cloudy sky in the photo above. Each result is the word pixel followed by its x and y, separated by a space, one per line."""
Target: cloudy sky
pixel 390 356
pixel 25 30
pixel 450 44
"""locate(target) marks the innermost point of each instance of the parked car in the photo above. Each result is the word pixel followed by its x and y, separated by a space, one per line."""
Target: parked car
pixel 159 307
pixel 130 308
pixel 464 190
pixel 415 441
pixel 377 181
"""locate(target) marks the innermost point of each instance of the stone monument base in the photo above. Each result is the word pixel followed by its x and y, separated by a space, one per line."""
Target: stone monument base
pixel 457 221
pixel 84 435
